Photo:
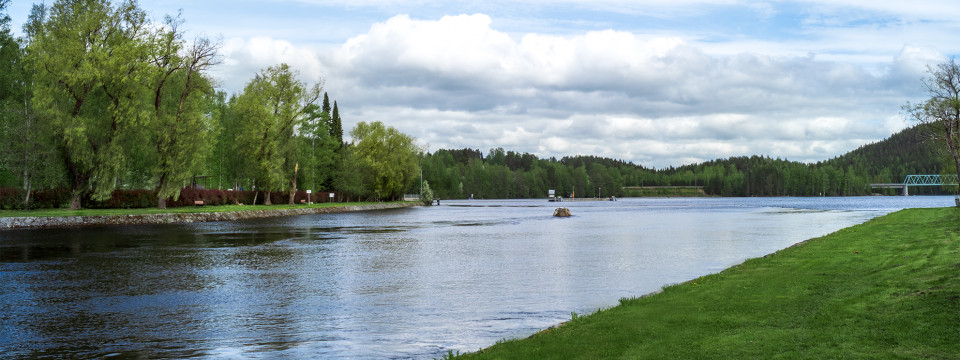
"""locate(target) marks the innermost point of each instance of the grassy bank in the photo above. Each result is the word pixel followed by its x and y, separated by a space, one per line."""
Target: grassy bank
pixel 889 288
pixel 178 210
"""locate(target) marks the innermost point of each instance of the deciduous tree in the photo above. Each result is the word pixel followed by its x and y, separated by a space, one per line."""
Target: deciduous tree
pixel 25 143
pixel 942 109
pixel 384 159
pixel 179 93
pixel 271 109
pixel 88 61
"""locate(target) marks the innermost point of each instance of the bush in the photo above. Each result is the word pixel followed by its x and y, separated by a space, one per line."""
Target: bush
pixel 211 197
pixel 50 198
pixel 12 198
pixel 122 199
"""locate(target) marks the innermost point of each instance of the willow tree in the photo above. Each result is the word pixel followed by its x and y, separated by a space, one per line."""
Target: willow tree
pixel 88 61
pixel 381 161
pixel 272 107
pixel 942 110
pixel 180 90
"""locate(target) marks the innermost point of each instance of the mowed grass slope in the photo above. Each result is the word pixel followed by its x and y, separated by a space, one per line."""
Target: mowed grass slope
pixel 886 289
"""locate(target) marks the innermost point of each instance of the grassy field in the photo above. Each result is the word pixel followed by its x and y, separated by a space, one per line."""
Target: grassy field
pixel 190 209
pixel 886 289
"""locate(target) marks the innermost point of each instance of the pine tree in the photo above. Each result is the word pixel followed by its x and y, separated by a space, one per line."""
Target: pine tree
pixel 326 104
pixel 336 130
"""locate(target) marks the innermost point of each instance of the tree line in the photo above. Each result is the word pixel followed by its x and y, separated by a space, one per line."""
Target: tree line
pixel 97 97
pixel 465 173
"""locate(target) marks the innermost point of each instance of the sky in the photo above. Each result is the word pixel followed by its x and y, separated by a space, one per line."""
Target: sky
pixel 659 82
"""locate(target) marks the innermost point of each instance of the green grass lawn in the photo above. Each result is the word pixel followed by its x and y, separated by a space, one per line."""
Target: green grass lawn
pixel 189 209
pixel 886 289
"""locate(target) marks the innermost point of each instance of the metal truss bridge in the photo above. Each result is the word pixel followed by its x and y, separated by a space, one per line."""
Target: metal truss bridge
pixel 919 180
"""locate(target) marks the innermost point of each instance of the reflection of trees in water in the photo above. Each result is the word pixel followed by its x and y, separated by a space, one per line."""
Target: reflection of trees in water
pixel 88 292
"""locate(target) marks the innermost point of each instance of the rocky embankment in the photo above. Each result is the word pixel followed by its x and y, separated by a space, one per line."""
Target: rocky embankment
pixel 73 221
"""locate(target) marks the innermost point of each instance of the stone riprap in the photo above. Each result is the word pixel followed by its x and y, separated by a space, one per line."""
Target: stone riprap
pixel 176 218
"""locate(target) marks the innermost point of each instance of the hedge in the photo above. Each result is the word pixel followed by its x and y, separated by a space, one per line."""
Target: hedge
pixel 12 198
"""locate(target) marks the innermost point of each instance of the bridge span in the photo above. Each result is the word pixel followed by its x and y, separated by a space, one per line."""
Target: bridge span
pixel 918 180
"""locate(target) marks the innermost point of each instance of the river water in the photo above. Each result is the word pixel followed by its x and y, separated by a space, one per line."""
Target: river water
pixel 405 283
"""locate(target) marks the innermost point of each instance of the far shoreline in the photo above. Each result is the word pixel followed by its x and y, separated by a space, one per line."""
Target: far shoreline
pixel 208 214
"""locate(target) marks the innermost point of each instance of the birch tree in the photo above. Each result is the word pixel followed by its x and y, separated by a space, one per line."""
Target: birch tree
pixel 25 144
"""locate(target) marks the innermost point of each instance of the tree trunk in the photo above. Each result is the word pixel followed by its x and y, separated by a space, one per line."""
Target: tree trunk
pixel 26 198
pixel 266 198
pixel 293 190
pixel 75 200
pixel 27 187
pixel 161 203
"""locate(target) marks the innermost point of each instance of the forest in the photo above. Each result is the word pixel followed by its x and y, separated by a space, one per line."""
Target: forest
pixel 463 173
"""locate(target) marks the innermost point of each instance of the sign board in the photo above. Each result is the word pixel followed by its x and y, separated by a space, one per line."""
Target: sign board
pixel 551 193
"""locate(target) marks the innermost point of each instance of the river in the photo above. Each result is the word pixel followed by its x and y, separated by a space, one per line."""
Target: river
pixel 404 283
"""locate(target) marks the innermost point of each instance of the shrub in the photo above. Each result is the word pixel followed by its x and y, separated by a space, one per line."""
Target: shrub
pixel 122 199
pixel 12 198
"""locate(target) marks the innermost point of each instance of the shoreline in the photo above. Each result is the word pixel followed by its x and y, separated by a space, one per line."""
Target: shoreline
pixel 850 293
pixel 48 222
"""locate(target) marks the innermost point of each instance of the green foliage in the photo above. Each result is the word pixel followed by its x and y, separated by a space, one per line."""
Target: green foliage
pixel 26 152
pixel 98 97
pixel 180 95
pixel 226 164
pixel 883 289
pixel 336 125
pixel 320 152
pixel 383 159
pixel 426 194
pixel 507 174
pixel 272 107
pixel 88 62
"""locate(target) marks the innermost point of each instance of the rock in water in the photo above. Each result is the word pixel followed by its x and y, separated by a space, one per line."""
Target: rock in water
pixel 561 212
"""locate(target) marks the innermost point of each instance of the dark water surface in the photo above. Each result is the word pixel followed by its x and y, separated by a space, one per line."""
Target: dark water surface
pixel 405 283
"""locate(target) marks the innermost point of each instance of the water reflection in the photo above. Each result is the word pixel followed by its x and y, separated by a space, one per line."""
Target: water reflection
pixel 399 283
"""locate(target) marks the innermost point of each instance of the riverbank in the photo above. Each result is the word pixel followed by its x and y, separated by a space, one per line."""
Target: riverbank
pixel 54 218
pixel 884 289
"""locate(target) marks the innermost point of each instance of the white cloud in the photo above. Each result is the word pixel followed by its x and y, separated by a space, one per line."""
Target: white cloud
pixel 654 100
pixel 658 96
pixel 243 58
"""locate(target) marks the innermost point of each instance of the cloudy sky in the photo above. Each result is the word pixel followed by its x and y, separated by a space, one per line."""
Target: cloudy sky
pixel 657 82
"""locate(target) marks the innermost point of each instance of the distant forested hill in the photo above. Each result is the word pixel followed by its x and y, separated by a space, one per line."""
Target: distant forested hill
pixel 907 152
pixel 461 173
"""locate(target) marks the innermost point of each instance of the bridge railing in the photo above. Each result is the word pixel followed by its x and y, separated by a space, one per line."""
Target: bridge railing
pixel 930 180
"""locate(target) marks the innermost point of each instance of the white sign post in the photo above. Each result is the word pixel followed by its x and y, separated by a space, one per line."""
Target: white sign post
pixel 331 197
pixel 308 197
